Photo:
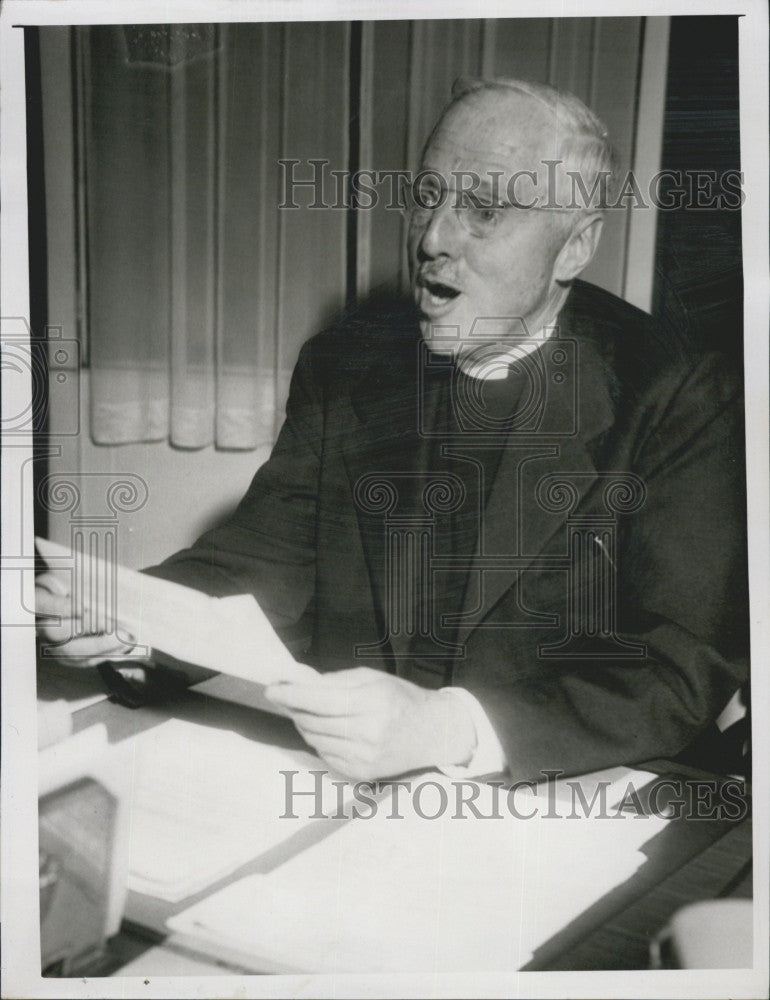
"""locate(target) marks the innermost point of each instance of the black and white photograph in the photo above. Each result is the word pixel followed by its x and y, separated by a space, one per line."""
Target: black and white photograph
pixel 385 500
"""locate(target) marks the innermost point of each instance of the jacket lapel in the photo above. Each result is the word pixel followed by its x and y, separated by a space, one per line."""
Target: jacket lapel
pixel 545 472
pixel 385 402
pixel 523 512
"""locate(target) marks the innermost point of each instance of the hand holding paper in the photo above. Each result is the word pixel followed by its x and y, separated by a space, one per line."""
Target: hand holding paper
pixel 368 724
pixel 104 608
pixel 77 640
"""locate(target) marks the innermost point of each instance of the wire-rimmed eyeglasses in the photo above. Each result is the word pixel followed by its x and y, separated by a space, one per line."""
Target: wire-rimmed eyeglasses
pixel 479 214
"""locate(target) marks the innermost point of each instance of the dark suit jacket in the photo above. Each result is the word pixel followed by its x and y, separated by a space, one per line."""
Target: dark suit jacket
pixel 624 492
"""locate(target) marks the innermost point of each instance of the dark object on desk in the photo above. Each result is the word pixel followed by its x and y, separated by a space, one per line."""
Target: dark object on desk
pixel 715 934
pixel 136 686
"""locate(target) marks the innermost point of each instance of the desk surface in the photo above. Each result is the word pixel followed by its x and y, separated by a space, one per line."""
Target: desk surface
pixel 689 860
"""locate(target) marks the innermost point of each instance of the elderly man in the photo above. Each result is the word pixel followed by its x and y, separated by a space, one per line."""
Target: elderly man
pixel 510 522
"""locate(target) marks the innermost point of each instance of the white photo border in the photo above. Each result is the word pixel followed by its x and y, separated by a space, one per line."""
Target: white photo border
pixel 20 927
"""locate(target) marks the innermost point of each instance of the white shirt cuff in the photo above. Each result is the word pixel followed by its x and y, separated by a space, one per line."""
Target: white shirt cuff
pixel 488 756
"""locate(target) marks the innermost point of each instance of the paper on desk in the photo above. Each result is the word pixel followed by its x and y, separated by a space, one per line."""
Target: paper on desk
pixel 420 895
pixel 231 634
pixel 206 801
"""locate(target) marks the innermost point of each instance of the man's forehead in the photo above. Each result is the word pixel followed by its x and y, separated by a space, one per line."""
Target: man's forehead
pixel 448 155
pixel 494 131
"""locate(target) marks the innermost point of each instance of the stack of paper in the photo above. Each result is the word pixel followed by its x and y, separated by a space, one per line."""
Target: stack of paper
pixel 206 801
pixel 420 895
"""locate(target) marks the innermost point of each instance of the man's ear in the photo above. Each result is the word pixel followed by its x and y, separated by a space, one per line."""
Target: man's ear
pixel 577 252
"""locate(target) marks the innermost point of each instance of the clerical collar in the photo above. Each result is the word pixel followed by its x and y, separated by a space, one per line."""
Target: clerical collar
pixel 489 364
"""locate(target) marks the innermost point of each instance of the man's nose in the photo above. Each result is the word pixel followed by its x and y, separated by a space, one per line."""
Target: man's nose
pixel 443 235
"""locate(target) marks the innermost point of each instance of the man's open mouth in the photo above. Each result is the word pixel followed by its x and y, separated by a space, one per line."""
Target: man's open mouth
pixel 439 294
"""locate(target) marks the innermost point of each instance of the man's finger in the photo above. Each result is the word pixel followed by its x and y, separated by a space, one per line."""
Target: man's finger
pixel 347 768
pixel 54 582
pixel 57 629
pixel 62 628
pixel 352 767
pixel 317 699
pixel 352 678
pixel 47 602
pixel 92 647
pixel 332 749
pixel 343 727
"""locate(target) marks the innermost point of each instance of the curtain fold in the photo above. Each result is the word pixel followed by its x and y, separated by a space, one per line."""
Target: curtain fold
pixel 128 276
pixel 199 295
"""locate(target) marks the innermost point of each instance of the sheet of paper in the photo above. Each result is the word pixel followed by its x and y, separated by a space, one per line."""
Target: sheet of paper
pixel 231 635
pixel 205 801
pixel 439 895
pixel 239 692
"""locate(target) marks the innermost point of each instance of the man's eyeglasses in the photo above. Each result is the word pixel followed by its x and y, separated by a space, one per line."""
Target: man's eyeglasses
pixel 479 214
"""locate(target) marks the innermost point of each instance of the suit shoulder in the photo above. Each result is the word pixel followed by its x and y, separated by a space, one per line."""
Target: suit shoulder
pixel 369 336
pixel 620 329
pixel 643 354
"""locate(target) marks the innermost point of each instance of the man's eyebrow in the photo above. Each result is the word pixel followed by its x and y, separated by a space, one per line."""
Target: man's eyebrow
pixel 490 194
pixel 494 185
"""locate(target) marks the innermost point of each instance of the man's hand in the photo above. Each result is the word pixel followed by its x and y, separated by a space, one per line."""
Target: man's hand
pixel 367 724
pixel 58 624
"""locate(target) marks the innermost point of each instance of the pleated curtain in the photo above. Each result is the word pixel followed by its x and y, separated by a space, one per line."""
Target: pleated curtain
pixel 200 289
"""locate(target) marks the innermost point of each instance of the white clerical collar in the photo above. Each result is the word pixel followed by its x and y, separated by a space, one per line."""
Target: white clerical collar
pixel 489 363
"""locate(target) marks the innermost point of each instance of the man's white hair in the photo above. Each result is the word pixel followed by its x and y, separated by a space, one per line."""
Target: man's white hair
pixel 584 144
